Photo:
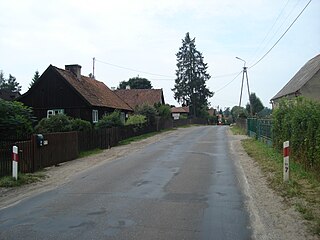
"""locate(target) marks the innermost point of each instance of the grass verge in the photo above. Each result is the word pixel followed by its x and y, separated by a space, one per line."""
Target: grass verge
pixel 236 130
pixel 23 178
pixel 301 191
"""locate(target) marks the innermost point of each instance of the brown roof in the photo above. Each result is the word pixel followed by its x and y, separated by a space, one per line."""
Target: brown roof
pixel 136 97
pixel 93 91
pixel 180 109
pixel 300 78
pixel 7 94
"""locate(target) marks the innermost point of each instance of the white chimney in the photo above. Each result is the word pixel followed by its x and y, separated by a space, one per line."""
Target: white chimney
pixel 75 69
pixel 113 88
pixel 128 87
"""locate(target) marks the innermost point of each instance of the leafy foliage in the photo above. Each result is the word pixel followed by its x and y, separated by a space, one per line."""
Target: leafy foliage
pixel 298 121
pixel 164 111
pixel 136 83
pixel 15 119
pixel 56 123
pixel 136 119
pixel 35 78
pixel 238 112
pixel 80 125
pixel 148 111
pixel 190 85
pixel 62 123
pixel 109 120
pixel 256 104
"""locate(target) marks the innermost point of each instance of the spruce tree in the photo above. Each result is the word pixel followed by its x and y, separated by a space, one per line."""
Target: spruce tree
pixel 191 76
pixel 35 78
pixel 12 84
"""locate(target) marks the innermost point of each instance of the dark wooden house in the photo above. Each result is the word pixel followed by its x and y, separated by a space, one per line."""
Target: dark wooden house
pixel 67 91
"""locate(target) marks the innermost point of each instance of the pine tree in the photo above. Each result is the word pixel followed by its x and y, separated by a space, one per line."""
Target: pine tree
pixel 35 78
pixel 12 84
pixel 191 76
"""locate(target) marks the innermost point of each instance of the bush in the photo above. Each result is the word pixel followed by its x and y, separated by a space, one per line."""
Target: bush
pixel 80 125
pixel 15 119
pixel 164 111
pixel 56 123
pixel 148 111
pixel 109 120
pixel 298 121
pixel 136 119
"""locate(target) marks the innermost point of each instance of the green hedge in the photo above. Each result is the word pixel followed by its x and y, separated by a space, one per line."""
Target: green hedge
pixel 299 122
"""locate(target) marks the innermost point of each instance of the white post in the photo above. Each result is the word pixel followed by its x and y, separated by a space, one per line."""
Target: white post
pixel 15 162
pixel 286 161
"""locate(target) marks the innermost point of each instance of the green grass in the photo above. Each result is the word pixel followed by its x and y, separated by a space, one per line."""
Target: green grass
pixel 89 153
pixel 9 181
pixel 303 185
pixel 236 130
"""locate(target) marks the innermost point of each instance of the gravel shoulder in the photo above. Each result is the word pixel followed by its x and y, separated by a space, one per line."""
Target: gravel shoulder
pixel 270 216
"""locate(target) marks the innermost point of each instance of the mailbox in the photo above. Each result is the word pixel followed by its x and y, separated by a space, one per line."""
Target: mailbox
pixel 39 140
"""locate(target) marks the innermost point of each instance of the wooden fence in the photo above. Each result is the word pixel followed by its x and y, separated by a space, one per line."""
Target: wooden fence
pixel 65 146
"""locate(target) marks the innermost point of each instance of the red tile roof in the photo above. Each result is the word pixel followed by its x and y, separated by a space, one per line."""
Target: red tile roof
pixel 94 92
pixel 136 97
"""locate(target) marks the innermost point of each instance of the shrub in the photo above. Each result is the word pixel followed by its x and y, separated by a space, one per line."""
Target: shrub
pixel 56 123
pixel 109 120
pixel 80 125
pixel 15 119
pixel 164 111
pixel 136 119
pixel 148 111
pixel 298 121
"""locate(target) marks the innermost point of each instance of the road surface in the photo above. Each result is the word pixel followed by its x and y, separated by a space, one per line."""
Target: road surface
pixel 183 187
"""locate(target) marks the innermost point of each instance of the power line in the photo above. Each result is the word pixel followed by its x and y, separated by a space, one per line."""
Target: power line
pixel 228 82
pixel 133 70
pixel 274 23
pixel 282 35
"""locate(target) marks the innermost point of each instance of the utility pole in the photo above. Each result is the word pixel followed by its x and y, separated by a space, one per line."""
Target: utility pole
pixel 245 73
pixel 93 62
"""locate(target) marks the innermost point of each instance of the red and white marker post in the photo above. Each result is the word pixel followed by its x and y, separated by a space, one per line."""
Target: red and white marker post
pixel 15 158
pixel 286 152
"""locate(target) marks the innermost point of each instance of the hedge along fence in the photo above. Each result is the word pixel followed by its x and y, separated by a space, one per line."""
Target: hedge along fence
pixel 299 122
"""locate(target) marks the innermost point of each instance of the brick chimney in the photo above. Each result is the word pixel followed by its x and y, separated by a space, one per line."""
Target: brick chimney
pixel 75 69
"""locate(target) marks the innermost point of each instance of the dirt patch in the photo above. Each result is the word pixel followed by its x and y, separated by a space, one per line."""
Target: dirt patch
pixel 59 175
pixel 270 216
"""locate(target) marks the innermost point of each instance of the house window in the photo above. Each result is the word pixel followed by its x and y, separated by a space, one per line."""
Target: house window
pixel 95 116
pixel 53 112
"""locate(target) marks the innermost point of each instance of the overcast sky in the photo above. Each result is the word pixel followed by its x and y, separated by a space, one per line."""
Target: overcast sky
pixel 145 35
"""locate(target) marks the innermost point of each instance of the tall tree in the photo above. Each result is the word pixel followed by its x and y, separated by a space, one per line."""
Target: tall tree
pixel 9 84
pixel 191 76
pixel 35 78
pixel 136 83
pixel 256 104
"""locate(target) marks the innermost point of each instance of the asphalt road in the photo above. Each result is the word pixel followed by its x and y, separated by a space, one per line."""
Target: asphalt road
pixel 183 187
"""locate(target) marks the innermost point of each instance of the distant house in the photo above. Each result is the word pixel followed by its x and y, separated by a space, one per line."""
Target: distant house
pixel 67 91
pixel 212 111
pixel 306 82
pixel 8 95
pixel 138 97
pixel 177 112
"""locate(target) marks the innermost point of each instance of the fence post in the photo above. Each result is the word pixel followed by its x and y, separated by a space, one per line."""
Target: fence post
pixel 285 161
pixel 15 158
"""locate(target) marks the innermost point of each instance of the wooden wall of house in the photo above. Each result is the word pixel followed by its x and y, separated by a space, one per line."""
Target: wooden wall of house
pixel 53 92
